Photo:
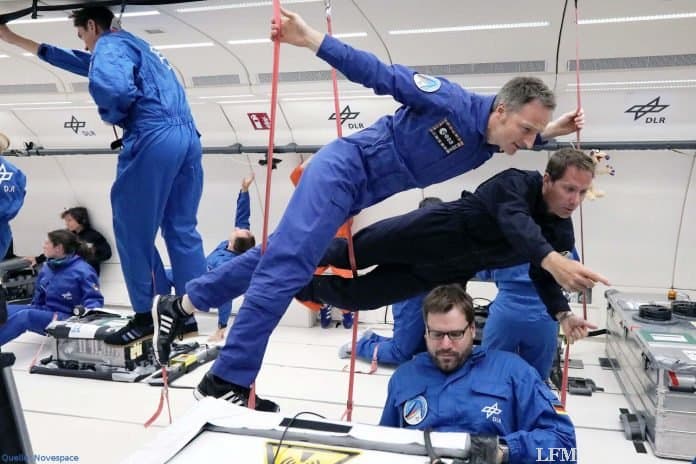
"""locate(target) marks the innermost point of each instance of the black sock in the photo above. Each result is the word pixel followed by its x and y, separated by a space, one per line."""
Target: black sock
pixel 143 318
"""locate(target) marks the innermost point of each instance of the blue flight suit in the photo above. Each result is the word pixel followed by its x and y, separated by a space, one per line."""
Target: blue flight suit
pixel 518 321
pixel 505 222
pixel 159 177
pixel 61 285
pixel 13 183
pixel 407 340
pixel 438 133
pixel 492 393
pixel 221 254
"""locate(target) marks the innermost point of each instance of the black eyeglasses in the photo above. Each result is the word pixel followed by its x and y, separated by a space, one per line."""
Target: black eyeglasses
pixel 452 334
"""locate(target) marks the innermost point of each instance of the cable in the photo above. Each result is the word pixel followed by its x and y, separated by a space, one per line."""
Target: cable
pixel 558 45
pixel 564 381
pixel 287 427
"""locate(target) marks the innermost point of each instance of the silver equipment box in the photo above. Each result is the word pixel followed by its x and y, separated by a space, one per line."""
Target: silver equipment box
pixel 653 344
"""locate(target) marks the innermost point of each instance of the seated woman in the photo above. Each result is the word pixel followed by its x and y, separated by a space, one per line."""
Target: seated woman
pixel 77 221
pixel 65 281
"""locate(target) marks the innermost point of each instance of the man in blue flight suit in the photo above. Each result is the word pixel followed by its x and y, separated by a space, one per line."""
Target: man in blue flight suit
pixel 241 239
pixel 441 131
pixel 493 395
pixel 512 218
pixel 407 339
pixel 159 177
pixel 405 342
pixel 12 190
pixel 518 320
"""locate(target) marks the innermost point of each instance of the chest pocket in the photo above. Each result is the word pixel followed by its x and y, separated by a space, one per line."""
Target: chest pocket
pixel 490 408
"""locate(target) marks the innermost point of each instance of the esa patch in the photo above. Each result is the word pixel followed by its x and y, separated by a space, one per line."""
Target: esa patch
pixel 427 83
pixel 446 136
pixel 415 410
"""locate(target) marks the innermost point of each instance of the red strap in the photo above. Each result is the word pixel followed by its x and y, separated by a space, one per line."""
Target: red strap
pixel 269 156
pixel 164 397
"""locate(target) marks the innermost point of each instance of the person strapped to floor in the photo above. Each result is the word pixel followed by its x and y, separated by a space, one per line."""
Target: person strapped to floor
pixel 440 131
pixel 495 396
pixel 66 280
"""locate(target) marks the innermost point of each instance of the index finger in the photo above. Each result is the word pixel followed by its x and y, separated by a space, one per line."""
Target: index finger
pixel 596 277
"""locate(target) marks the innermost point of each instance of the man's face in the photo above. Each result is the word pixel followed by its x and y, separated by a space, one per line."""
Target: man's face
pixel 565 194
pixel 88 34
pixel 513 130
pixel 237 233
pixel 447 354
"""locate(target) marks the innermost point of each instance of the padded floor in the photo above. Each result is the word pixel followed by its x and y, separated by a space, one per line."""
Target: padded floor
pixel 102 422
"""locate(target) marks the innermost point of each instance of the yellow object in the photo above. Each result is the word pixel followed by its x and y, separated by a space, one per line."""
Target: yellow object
pixel 184 359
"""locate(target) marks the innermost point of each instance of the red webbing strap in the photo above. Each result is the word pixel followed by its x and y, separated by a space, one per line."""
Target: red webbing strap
pixel 269 156
pixel 164 397
pixel 356 315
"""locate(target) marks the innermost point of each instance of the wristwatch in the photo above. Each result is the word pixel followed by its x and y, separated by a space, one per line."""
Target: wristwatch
pixel 505 453
pixel 561 316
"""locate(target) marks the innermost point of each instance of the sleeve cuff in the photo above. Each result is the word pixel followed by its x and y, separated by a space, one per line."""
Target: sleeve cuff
pixel 540 253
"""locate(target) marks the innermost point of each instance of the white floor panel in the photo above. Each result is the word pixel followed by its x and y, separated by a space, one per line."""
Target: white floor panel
pixel 92 440
pixel 301 372
pixel 601 410
pixel 602 446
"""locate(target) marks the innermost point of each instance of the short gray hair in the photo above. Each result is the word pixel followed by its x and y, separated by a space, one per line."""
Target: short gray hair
pixel 519 91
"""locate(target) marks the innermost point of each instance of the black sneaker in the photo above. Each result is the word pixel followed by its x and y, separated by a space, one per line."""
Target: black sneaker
pixel 212 385
pixel 137 328
pixel 169 320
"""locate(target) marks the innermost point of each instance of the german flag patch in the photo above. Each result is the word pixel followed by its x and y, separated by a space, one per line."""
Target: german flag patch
pixel 559 409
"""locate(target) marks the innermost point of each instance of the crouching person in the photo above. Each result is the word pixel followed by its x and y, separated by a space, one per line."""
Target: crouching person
pixel 65 281
pixel 493 395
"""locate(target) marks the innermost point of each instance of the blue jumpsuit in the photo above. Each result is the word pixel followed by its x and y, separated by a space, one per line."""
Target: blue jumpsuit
pixel 221 254
pixel 61 285
pixel 492 393
pixel 438 133
pixel 159 177
pixel 518 320
pixel 12 191
pixel 407 339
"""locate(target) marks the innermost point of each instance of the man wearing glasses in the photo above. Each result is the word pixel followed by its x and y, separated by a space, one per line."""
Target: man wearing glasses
pixel 493 395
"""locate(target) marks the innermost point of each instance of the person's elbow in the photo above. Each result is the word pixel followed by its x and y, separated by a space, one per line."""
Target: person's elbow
pixel 111 115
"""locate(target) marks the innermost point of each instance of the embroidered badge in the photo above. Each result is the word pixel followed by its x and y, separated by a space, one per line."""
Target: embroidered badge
pixel 446 136
pixel 415 410
pixel 427 83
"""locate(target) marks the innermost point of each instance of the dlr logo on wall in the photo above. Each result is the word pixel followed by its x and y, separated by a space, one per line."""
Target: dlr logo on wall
pixel 556 455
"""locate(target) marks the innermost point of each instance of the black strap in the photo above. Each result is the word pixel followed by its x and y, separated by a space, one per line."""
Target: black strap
pixel 434 458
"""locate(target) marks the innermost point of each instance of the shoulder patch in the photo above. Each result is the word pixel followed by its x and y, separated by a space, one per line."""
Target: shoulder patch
pixel 427 83
pixel 415 410
pixel 446 136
